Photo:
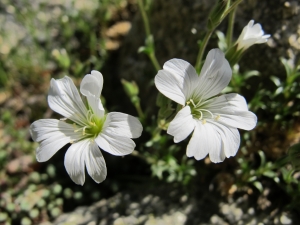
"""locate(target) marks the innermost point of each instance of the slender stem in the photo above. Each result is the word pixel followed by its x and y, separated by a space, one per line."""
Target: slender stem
pixel 230 28
pixel 145 18
pixel 202 49
pixel 139 110
pixel 148 34
pixel 208 35
pixel 154 61
pixel 232 7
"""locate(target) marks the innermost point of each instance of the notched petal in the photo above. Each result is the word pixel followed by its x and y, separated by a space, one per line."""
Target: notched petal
pixel 115 145
pixel 215 75
pixel 95 163
pixel 64 99
pixel 183 69
pixel 52 135
pixel 171 86
pixel 121 124
pixel 182 125
pixel 74 161
pixel 92 84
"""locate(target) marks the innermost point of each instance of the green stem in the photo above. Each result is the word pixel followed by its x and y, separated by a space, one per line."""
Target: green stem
pixel 145 18
pixel 139 110
pixel 148 34
pixel 232 7
pixel 209 33
pixel 202 49
pixel 154 61
pixel 230 28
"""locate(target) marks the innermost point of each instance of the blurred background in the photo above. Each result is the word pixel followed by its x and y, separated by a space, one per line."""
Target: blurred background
pixel 157 184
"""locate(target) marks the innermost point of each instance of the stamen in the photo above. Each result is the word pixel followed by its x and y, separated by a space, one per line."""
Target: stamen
pixel 200 100
pixel 217 117
pixel 191 100
pixel 205 110
pixel 89 115
pixel 201 115
pixel 202 103
pixel 83 130
pixel 203 121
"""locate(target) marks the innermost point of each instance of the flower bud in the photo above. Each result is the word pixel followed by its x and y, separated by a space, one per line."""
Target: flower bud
pixel 251 34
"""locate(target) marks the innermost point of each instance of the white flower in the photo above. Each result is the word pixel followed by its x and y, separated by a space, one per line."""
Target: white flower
pixel 214 119
pixel 251 34
pixel 85 126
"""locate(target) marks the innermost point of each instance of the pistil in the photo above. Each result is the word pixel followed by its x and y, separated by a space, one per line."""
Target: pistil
pixel 197 110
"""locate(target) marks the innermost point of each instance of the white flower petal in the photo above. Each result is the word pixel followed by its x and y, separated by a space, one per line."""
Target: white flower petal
pixel 52 135
pixel 115 145
pixel 182 125
pixel 251 34
pixel 230 138
pixel 92 84
pixel 263 39
pixel 74 160
pixel 245 44
pixel 205 140
pixel 232 110
pixel 171 86
pixel 215 75
pixel 95 163
pixel 245 120
pixel 91 87
pixel 64 99
pixel 96 106
pixel 121 124
pixel 195 148
pixel 228 101
pixel 254 32
pixel 183 70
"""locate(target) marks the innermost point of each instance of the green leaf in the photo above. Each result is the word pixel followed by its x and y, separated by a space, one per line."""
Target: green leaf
pixel 276 81
pixel 222 43
pixel 294 156
pixel 270 174
pixel 262 158
pixel 287 66
pixel 130 88
pixel 258 185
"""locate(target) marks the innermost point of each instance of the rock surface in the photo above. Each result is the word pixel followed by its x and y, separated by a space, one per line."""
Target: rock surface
pixel 170 207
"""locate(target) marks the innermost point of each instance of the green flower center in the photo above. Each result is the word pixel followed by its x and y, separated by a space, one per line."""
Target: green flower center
pixel 93 126
pixel 199 111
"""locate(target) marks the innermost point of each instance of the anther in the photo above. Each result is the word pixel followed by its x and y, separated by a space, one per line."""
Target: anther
pixel 203 121
pixel 83 130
